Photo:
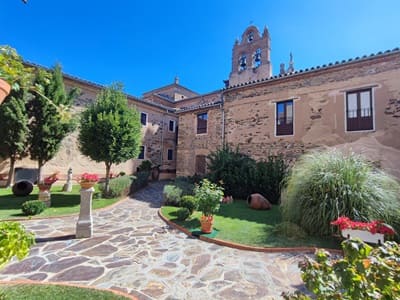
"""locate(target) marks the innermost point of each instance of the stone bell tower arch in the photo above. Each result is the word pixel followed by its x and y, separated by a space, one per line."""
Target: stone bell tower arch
pixel 251 57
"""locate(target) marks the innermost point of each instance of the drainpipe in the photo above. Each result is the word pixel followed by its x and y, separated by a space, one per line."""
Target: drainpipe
pixel 222 120
pixel 162 140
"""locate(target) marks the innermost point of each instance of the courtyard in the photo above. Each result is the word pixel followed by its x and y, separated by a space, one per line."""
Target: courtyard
pixel 134 251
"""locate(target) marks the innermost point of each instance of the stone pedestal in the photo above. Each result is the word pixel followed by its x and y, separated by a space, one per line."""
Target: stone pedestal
pixel 45 196
pixel 84 226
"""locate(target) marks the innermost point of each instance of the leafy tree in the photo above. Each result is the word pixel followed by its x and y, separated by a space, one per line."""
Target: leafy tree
pixel 14 129
pixel 110 131
pixel 47 128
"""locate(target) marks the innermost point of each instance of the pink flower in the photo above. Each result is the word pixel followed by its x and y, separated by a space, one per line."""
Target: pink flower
pixel 87 177
pixel 51 179
pixel 373 227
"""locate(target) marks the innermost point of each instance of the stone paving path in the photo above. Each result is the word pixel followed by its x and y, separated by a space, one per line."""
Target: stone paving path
pixel 134 251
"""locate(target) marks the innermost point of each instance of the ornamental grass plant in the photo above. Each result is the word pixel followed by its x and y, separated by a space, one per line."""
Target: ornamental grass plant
pixel 324 186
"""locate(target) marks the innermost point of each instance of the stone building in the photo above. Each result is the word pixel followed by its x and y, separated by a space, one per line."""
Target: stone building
pixel 352 105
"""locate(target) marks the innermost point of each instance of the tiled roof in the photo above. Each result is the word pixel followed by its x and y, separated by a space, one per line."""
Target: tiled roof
pixel 199 106
pixel 99 86
pixel 317 68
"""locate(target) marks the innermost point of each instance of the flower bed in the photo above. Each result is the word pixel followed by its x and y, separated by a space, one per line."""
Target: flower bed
pixel 371 232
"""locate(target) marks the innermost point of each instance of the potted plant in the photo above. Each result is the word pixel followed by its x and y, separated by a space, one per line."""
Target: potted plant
pixel 13 73
pixel 87 180
pixel 46 184
pixel 371 232
pixel 208 196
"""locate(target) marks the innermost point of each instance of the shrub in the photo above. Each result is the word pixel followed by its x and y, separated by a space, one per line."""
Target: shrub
pixel 242 175
pixel 119 186
pixel 363 273
pixel 189 202
pixel 236 171
pixel 185 184
pixel 14 241
pixel 324 186
pixel 208 196
pixel 172 195
pixel 183 213
pixel 140 180
pixel 269 177
pixel 33 207
pixel 145 166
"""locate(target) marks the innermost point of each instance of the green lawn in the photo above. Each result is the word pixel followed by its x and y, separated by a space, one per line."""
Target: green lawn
pixel 62 203
pixel 54 292
pixel 238 223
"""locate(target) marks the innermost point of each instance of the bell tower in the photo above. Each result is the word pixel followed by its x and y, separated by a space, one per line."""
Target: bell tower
pixel 251 57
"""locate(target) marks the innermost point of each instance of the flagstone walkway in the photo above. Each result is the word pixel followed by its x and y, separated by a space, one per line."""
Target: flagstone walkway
pixel 134 251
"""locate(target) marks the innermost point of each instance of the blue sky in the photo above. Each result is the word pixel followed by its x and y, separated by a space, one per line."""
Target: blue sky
pixel 145 44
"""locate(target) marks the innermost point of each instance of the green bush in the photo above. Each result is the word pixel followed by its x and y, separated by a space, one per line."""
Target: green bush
pixel 33 207
pixel 119 186
pixel 185 184
pixel 145 166
pixel 183 213
pixel 208 196
pixel 140 180
pixel 189 202
pixel 236 171
pixel 14 241
pixel 269 177
pixel 363 273
pixel 324 186
pixel 172 195
pixel 242 175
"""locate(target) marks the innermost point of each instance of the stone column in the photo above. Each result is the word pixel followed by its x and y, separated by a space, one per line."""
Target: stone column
pixel 45 196
pixel 84 226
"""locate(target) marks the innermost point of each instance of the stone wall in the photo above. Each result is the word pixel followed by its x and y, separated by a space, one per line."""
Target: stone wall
pixel 191 144
pixel 156 137
pixel 319 112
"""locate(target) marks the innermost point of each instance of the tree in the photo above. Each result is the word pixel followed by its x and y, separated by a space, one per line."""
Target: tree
pixel 110 131
pixel 46 127
pixel 14 129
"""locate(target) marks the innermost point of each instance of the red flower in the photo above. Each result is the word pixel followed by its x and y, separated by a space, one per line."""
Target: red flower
pixel 51 179
pixel 373 227
pixel 87 177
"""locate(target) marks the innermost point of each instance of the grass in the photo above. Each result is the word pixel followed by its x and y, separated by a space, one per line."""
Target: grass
pixel 55 292
pixel 62 203
pixel 238 223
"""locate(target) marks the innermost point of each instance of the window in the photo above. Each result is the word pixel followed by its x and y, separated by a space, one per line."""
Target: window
pixel 242 63
pixel 141 154
pixel 200 165
pixel 202 123
pixel 359 110
pixel 250 36
pixel 170 154
pixel 172 126
pixel 143 118
pixel 257 58
pixel 284 118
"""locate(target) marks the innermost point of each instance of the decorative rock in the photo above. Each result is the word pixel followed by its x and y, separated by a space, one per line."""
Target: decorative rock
pixel 258 201
pixel 79 273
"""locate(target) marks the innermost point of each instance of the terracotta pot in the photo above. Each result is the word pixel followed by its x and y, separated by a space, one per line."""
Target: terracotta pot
pixel 206 223
pixel 87 184
pixel 5 89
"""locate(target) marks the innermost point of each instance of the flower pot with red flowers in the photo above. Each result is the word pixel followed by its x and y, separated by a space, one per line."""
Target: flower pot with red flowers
pixel 208 196
pixel 87 180
pixel 370 232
